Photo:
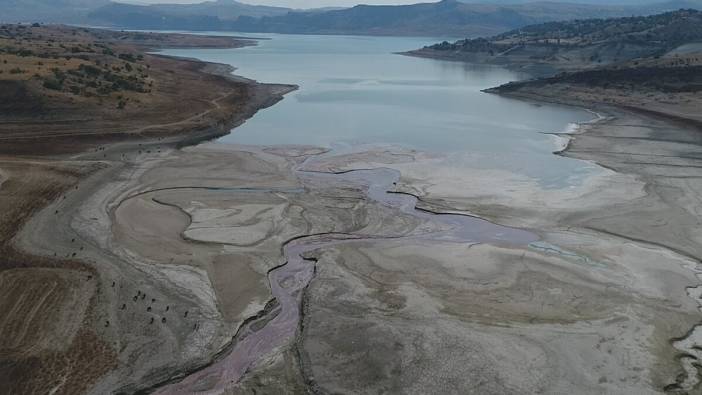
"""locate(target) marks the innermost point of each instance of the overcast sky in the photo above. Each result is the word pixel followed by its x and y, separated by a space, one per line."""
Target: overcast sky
pixel 293 3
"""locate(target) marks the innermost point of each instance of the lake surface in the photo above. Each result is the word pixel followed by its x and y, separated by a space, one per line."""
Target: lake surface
pixel 355 90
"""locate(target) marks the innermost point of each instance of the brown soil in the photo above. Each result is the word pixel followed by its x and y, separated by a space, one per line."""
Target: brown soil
pixel 50 342
pixel 152 96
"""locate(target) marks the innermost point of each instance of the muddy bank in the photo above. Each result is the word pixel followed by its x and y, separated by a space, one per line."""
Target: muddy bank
pixel 629 228
pixel 193 240
pixel 664 154
pixel 385 304
pixel 650 199
pixel 392 285
pixel 90 327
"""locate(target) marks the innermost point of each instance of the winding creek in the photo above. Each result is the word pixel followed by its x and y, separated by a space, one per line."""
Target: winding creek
pixel 276 326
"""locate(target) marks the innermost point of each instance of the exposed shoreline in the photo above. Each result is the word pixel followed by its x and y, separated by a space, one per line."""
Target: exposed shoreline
pixel 304 358
pixel 608 125
pixel 608 130
pixel 208 273
pixel 121 161
pixel 34 181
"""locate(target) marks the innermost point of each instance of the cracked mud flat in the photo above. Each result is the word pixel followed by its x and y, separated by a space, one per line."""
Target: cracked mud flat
pixel 377 296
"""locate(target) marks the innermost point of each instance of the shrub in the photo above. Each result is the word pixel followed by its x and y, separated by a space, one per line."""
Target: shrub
pixel 53 84
pixel 127 56
pixel 58 74
pixel 90 70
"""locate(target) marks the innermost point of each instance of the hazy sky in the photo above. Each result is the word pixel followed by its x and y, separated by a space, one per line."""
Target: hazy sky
pixel 294 3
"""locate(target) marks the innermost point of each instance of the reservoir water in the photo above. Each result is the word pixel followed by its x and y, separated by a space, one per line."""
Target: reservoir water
pixel 356 90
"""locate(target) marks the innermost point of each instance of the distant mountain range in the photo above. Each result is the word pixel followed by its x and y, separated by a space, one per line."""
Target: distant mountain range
pixel 117 13
pixel 174 14
pixel 61 11
pixel 590 2
pixel 211 15
pixel 444 18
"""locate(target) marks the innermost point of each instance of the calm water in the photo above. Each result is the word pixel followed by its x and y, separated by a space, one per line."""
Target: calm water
pixel 354 90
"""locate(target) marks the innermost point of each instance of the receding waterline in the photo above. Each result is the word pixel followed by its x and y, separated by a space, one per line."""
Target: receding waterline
pixel 355 90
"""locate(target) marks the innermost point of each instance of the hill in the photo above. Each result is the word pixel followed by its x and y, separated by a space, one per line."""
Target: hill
pixel 79 106
pixel 669 85
pixel 444 18
pixel 88 80
pixel 578 44
pixel 651 64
